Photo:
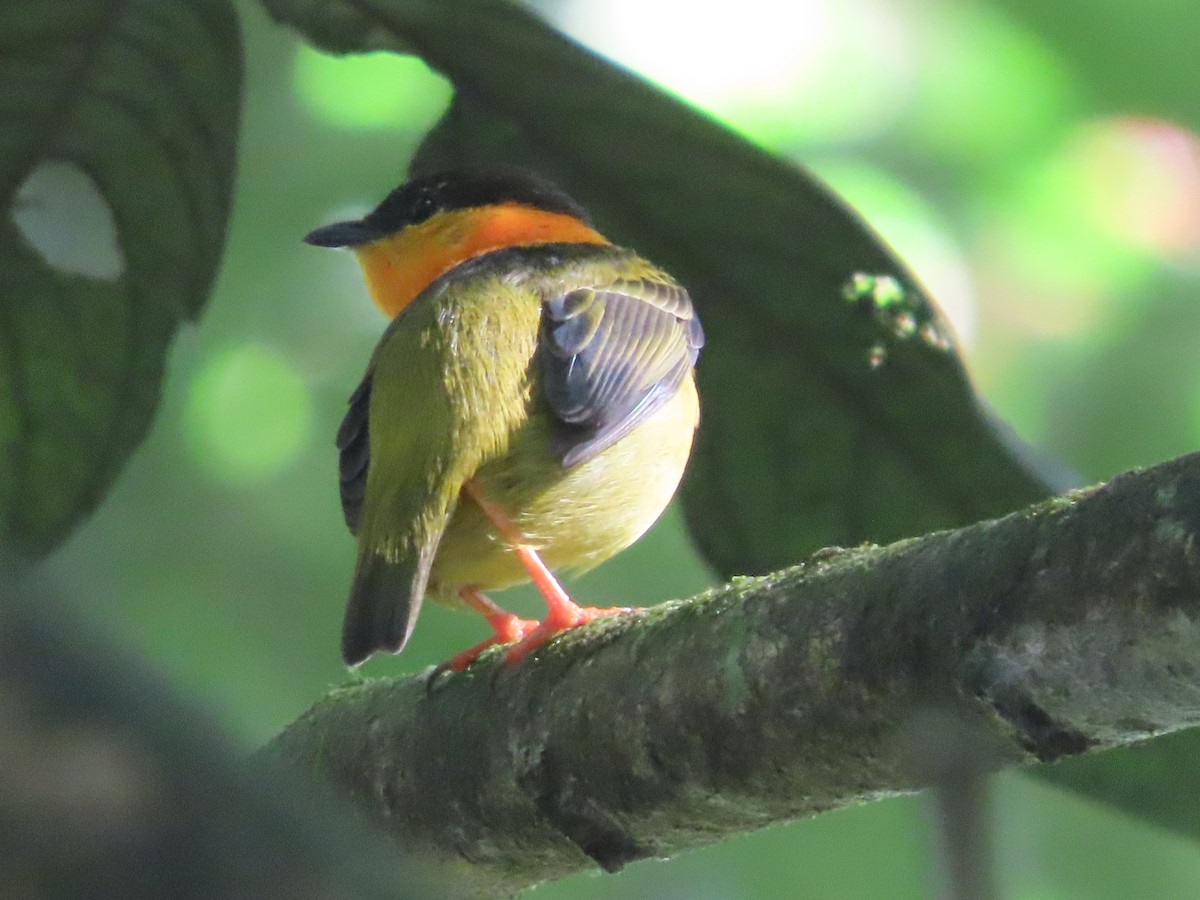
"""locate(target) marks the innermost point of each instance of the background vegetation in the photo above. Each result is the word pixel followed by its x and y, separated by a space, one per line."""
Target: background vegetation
pixel 1038 165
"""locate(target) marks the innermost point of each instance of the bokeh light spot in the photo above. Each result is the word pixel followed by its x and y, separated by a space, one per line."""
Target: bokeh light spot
pixel 248 415
pixel 1090 221
pixel 781 74
pixel 1144 183
pixel 370 90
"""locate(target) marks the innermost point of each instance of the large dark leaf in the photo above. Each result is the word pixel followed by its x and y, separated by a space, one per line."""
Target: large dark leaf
pixel 137 101
pixel 834 409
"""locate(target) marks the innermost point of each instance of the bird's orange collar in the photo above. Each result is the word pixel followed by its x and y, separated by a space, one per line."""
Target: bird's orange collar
pixel 398 267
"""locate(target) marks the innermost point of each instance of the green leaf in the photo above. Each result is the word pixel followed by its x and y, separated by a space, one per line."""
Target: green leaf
pixel 803 442
pixel 129 109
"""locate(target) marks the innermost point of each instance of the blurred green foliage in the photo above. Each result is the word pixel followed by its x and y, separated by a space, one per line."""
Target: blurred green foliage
pixel 1019 125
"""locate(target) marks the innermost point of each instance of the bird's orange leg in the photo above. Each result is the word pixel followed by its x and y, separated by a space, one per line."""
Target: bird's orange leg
pixel 561 611
pixel 506 629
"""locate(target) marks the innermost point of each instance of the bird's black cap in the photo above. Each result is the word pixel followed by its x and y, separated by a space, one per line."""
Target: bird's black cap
pixel 421 198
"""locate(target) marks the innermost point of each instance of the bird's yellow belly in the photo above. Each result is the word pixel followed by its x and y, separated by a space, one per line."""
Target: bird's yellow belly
pixel 575 518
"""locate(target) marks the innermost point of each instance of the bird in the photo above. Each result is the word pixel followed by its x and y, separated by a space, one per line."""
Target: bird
pixel 530 406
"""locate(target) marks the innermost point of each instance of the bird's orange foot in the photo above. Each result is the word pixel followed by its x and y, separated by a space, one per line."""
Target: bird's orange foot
pixel 561 617
pixel 507 628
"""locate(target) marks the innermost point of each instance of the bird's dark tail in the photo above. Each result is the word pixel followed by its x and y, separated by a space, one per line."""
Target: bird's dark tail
pixel 385 599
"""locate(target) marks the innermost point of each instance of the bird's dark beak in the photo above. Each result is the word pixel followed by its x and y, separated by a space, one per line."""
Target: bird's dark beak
pixel 342 234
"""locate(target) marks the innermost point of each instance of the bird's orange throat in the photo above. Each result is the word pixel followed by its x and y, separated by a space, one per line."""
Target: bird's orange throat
pixel 397 268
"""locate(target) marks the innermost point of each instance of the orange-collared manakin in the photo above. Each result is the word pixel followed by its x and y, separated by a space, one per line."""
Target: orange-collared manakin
pixel 530 407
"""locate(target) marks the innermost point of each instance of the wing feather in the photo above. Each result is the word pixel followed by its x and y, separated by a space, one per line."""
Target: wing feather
pixel 611 356
pixel 354 454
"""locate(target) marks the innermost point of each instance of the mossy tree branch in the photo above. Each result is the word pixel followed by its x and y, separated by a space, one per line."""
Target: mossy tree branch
pixel 1068 627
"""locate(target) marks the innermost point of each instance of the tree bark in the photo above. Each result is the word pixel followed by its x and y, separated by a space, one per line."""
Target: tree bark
pixel 1065 628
